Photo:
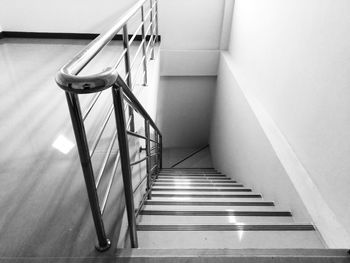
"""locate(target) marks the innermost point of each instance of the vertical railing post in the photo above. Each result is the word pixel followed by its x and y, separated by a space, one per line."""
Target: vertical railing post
pixel 144 46
pixel 118 101
pixel 148 154
pixel 161 151
pixel 157 147
pixel 128 70
pixel 157 29
pixel 84 155
pixel 152 33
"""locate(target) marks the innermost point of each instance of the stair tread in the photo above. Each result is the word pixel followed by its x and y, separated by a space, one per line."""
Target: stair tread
pixel 229 239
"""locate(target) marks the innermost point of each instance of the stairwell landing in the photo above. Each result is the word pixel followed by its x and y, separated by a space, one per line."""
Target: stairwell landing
pixel 198 208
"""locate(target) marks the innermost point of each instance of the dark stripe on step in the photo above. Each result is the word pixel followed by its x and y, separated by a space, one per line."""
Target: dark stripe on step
pixel 215 213
pixel 279 227
pixel 209 196
pixel 193 175
pixel 152 202
pixel 204 185
pixel 228 181
pixel 201 190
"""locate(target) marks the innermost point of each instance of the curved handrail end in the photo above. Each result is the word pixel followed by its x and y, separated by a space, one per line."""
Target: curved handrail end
pixel 87 84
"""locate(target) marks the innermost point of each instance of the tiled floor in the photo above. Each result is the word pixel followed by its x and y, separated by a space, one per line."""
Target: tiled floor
pixel 43 202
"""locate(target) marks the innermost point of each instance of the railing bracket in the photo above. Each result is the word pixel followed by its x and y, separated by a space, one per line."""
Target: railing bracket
pixel 105 248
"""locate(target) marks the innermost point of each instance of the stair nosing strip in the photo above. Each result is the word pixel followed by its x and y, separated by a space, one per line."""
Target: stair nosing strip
pixel 208 196
pixel 216 213
pixel 233 227
pixel 206 203
pixel 201 190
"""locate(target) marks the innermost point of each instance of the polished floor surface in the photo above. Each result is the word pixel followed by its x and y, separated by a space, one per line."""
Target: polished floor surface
pixel 43 202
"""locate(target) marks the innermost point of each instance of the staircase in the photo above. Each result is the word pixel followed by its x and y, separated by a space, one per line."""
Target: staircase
pixel 202 209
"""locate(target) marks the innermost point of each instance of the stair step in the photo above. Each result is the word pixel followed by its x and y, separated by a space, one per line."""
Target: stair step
pixel 230 239
pixel 206 199
pixel 192 189
pixel 188 169
pixel 231 227
pixel 208 208
pixel 204 180
pixel 207 195
pixel 156 184
pixel 192 175
pixel 204 203
pixel 215 213
pixel 232 255
pixel 212 220
pixel 203 177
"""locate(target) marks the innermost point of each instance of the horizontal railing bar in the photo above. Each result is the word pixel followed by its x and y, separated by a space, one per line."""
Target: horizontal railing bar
pixel 135 34
pixel 105 160
pixel 154 141
pixel 119 59
pixel 140 183
pixel 87 54
pixel 105 198
pixel 136 103
pixel 136 54
pixel 155 166
pixel 109 151
pixel 153 154
pixel 138 161
pixel 93 102
pixel 149 11
pixel 103 127
pixel 136 135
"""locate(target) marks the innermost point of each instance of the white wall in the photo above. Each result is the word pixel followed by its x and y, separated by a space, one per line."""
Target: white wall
pixel 293 58
pixel 193 32
pixel 184 110
pixel 61 16
pixel 201 159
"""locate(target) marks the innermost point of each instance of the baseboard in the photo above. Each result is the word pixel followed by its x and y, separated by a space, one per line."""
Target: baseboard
pixel 58 35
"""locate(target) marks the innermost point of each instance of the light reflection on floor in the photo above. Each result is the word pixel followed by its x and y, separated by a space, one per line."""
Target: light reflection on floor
pixel 42 194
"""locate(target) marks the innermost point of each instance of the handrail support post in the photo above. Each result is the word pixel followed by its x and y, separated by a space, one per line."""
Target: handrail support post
pixel 148 154
pixel 144 46
pixel 128 70
pixel 85 160
pixel 117 93
pixel 152 31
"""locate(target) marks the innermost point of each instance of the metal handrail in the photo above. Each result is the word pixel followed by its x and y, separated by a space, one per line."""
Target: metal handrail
pixel 67 78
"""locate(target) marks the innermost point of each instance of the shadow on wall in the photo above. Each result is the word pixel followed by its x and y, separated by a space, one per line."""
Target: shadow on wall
pixel 201 159
pixel 184 110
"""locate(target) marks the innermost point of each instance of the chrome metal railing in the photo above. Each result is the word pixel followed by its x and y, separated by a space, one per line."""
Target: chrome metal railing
pixel 68 79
